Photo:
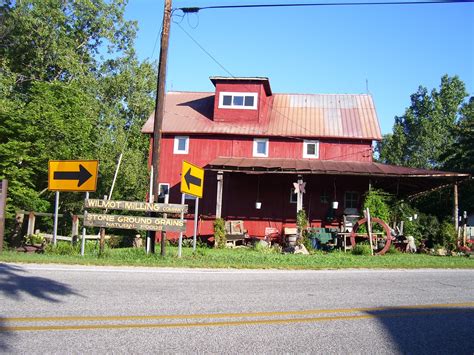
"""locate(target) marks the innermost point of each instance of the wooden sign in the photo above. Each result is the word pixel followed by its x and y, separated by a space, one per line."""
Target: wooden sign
pixel 134 222
pixel 135 206
pixel 73 175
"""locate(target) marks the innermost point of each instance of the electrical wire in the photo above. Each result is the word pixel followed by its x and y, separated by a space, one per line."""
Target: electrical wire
pixel 232 75
pixel 378 3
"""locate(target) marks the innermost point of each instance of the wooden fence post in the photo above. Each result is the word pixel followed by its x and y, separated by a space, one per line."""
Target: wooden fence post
pixel 75 228
pixel 3 204
pixel 31 224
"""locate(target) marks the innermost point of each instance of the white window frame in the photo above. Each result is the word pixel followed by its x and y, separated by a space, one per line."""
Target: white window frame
pixel 255 145
pixel 293 196
pixel 176 145
pixel 234 107
pixel 305 149
pixel 159 190
pixel 346 199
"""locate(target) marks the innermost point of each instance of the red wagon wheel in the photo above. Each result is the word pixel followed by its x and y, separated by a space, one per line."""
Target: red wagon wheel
pixel 386 239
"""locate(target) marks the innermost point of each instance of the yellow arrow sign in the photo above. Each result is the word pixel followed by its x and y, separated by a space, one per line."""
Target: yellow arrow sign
pixel 73 175
pixel 192 179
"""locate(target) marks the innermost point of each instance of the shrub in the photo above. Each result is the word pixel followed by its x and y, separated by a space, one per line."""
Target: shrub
pixel 377 201
pixel 302 223
pixel 219 233
pixel 34 239
pixel 61 248
pixel 361 249
pixel 446 235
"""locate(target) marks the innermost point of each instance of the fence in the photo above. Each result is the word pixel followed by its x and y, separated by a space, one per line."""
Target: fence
pixel 20 215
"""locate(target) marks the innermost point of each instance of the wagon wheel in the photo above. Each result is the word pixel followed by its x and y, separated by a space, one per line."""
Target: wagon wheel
pixel 387 238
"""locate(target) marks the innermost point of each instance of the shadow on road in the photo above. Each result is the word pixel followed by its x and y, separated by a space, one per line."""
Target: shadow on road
pixel 441 330
pixel 15 283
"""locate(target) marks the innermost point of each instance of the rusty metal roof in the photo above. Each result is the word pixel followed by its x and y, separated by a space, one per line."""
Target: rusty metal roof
pixel 402 180
pixel 323 167
pixel 301 115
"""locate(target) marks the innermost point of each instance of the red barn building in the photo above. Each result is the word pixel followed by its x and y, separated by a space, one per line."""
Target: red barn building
pixel 255 145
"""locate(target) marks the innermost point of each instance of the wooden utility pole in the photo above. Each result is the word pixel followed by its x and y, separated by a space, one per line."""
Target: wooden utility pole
pixel 456 207
pixel 160 110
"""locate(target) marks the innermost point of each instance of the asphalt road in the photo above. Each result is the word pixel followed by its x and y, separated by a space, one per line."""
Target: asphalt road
pixel 76 309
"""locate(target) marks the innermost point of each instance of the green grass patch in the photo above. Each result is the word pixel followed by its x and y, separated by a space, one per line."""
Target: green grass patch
pixel 241 259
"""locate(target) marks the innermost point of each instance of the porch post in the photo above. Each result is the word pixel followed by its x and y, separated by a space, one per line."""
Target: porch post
pixel 299 196
pixel 220 185
pixel 456 207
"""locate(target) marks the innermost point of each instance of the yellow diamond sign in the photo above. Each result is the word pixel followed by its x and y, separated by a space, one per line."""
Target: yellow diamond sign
pixel 192 179
pixel 73 175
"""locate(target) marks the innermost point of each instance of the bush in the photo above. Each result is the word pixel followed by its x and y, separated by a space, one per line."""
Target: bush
pixel 361 249
pixel 219 233
pixel 302 224
pixel 446 236
pixel 34 239
pixel 377 201
pixel 62 248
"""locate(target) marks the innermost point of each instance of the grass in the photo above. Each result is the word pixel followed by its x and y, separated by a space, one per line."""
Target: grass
pixel 244 259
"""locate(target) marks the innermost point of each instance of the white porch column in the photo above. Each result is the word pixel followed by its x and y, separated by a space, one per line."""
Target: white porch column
pixel 220 185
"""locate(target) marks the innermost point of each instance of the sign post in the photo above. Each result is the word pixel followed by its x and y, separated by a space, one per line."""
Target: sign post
pixel 192 182
pixel 192 179
pixel 180 241
pixel 73 175
pixel 56 207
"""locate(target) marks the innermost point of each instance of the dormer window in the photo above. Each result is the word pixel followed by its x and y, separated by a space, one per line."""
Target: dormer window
pixel 238 100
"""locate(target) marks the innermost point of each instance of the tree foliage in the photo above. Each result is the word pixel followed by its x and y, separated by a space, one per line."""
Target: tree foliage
pixel 71 88
pixel 421 136
pixel 436 132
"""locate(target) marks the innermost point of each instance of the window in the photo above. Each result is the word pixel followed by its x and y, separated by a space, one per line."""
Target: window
pixel 181 145
pixel 164 189
pixel 324 197
pixel 311 149
pixel 260 147
pixel 293 196
pixel 351 199
pixel 238 100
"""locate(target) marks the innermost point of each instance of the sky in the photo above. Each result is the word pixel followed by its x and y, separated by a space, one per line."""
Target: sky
pixel 388 51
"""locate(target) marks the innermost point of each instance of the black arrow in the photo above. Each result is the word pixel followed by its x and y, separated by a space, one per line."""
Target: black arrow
pixel 82 175
pixel 190 179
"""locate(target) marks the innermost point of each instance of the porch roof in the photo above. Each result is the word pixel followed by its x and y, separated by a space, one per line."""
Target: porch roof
pixel 392 178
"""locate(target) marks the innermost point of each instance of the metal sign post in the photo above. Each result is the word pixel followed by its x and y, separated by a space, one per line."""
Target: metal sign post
pixel 196 210
pixel 180 241
pixel 56 208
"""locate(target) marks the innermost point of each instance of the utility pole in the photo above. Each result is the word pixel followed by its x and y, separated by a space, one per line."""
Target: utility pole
pixel 159 111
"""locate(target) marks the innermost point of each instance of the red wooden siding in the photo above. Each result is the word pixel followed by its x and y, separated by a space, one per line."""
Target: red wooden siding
pixel 241 115
pixel 203 149
pixel 240 190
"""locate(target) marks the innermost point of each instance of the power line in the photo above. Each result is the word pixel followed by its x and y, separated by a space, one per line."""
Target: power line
pixel 378 3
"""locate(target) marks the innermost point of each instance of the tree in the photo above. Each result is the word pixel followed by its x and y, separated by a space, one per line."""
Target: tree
pixel 71 88
pixel 425 131
pixel 460 156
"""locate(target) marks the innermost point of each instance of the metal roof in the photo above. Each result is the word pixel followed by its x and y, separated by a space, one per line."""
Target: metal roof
pixel 302 115
pixel 243 80
pixel 396 179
